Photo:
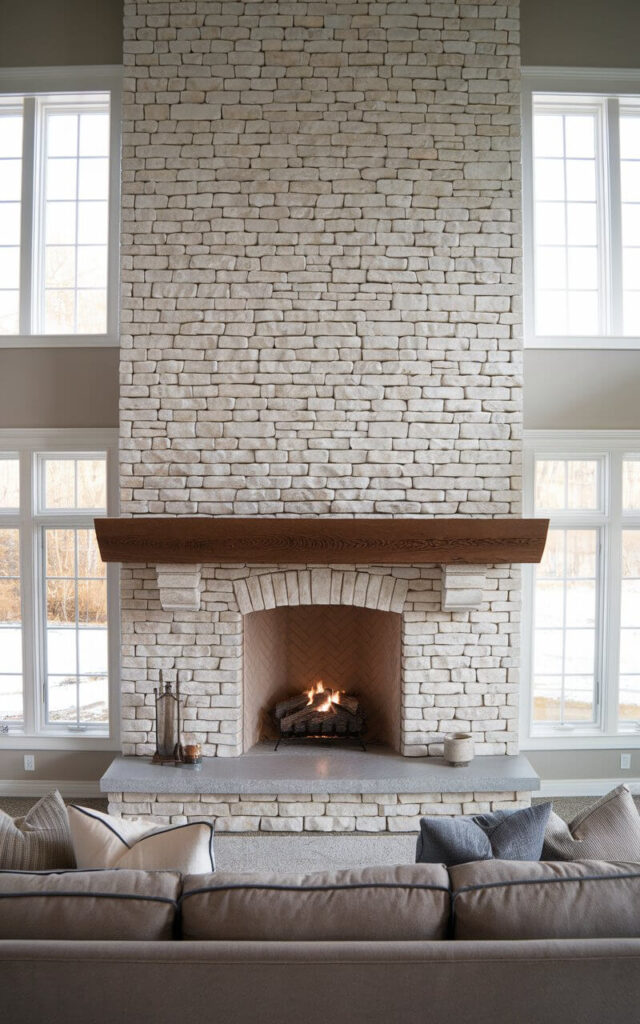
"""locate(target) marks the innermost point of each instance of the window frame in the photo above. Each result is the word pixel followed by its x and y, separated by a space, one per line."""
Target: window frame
pixel 27 445
pixel 609 86
pixel 611 447
pixel 31 83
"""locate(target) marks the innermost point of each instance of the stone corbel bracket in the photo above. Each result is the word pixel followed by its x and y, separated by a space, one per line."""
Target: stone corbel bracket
pixel 462 587
pixel 179 587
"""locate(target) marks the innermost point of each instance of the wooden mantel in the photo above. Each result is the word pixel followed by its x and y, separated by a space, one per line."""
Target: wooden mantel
pixel 320 541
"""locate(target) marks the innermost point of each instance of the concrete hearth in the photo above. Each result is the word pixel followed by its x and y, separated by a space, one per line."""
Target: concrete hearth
pixel 311 789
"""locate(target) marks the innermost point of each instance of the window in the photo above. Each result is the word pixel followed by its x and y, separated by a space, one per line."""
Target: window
pixel 58 601
pixel 59 171
pixel 581 651
pixel 581 155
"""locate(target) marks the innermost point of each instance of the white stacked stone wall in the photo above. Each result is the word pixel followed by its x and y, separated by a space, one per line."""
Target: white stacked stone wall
pixel 320 812
pixel 321 316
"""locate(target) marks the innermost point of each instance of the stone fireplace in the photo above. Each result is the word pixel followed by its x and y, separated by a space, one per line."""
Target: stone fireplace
pixel 321 318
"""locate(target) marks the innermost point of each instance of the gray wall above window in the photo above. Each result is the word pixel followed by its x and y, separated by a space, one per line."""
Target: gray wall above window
pixel 56 33
pixel 580 33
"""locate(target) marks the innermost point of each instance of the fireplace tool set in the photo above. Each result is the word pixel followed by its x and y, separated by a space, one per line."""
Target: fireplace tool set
pixel 170 750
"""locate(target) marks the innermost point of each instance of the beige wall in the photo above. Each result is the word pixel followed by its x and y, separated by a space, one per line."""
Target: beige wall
pixel 581 389
pixel 585 764
pixel 63 387
pixel 55 766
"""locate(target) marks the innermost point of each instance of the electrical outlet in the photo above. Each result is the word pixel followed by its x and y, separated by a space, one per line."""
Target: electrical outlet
pixel 29 763
pixel 625 761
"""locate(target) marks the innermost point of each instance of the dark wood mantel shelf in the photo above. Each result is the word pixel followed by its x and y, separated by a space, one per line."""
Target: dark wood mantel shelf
pixel 324 541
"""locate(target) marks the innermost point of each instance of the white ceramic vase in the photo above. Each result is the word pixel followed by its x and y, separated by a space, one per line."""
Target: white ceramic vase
pixel 458 749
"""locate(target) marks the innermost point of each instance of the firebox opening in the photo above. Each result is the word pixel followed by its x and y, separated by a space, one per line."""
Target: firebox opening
pixel 356 651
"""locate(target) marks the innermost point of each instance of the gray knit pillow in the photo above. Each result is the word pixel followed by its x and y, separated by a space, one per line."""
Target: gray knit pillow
pixel 500 835
pixel 41 841
pixel 607 830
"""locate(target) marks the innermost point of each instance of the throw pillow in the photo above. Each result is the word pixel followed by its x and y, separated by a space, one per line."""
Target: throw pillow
pixel 502 835
pixel 607 830
pixel 102 841
pixel 39 841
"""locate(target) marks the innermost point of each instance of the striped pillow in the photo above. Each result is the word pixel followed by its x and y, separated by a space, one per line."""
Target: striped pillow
pixel 41 841
pixel 608 830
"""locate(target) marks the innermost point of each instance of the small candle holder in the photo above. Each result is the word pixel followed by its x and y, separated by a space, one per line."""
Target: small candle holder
pixel 192 755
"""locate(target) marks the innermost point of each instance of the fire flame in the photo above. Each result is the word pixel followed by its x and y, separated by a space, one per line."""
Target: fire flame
pixel 332 696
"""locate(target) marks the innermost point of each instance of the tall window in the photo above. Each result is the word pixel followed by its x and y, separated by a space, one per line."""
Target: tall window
pixel 582 617
pixel 582 216
pixel 59 172
pixel 58 663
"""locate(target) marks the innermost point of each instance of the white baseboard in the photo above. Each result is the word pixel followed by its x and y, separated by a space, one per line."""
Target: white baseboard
pixel 584 787
pixel 38 787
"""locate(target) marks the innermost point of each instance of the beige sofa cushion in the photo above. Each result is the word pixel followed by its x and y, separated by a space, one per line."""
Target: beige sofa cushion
pixel 586 899
pixel 134 905
pixel 607 830
pixel 40 841
pixel 379 903
pixel 103 841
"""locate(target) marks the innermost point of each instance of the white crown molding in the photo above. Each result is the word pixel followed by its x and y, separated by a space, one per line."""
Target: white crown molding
pixel 562 79
pixel 21 81
pixel 37 788
pixel 583 787
pixel 100 436
pixel 594 439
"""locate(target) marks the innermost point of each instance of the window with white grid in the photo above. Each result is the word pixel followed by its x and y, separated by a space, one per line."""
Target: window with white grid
pixel 58 633
pixel 59 189
pixel 581 622
pixel 581 195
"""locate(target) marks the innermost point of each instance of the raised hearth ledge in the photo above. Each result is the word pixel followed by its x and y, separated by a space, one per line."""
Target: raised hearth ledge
pixel 315 770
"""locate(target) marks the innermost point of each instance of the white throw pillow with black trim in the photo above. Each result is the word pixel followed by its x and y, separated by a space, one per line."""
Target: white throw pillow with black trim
pixel 102 841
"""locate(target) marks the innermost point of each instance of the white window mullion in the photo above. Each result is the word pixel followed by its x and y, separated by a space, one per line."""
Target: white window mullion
pixel 614 216
pixel 27 212
pixel 613 584
pixel 28 588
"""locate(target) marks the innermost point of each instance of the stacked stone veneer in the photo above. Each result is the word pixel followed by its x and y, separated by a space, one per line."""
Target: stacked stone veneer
pixel 458 668
pixel 321 316
pixel 320 812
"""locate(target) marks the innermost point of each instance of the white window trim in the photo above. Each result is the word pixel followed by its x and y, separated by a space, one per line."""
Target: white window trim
pixel 581 81
pixel 34 81
pixel 26 443
pixel 567 443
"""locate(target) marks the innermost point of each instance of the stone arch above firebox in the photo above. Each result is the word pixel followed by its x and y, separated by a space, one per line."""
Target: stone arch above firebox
pixel 325 586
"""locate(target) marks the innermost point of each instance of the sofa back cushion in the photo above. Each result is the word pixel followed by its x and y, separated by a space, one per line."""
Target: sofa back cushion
pixel 134 905
pixel 545 900
pixel 379 903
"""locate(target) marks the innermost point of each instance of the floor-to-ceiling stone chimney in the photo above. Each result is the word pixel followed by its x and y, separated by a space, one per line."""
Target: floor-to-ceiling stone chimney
pixel 321 317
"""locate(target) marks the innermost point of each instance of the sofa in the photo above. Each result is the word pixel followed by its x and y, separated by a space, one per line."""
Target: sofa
pixel 490 941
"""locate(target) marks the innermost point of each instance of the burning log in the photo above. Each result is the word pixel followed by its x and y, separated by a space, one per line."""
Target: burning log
pixel 286 707
pixel 320 712
pixel 349 703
